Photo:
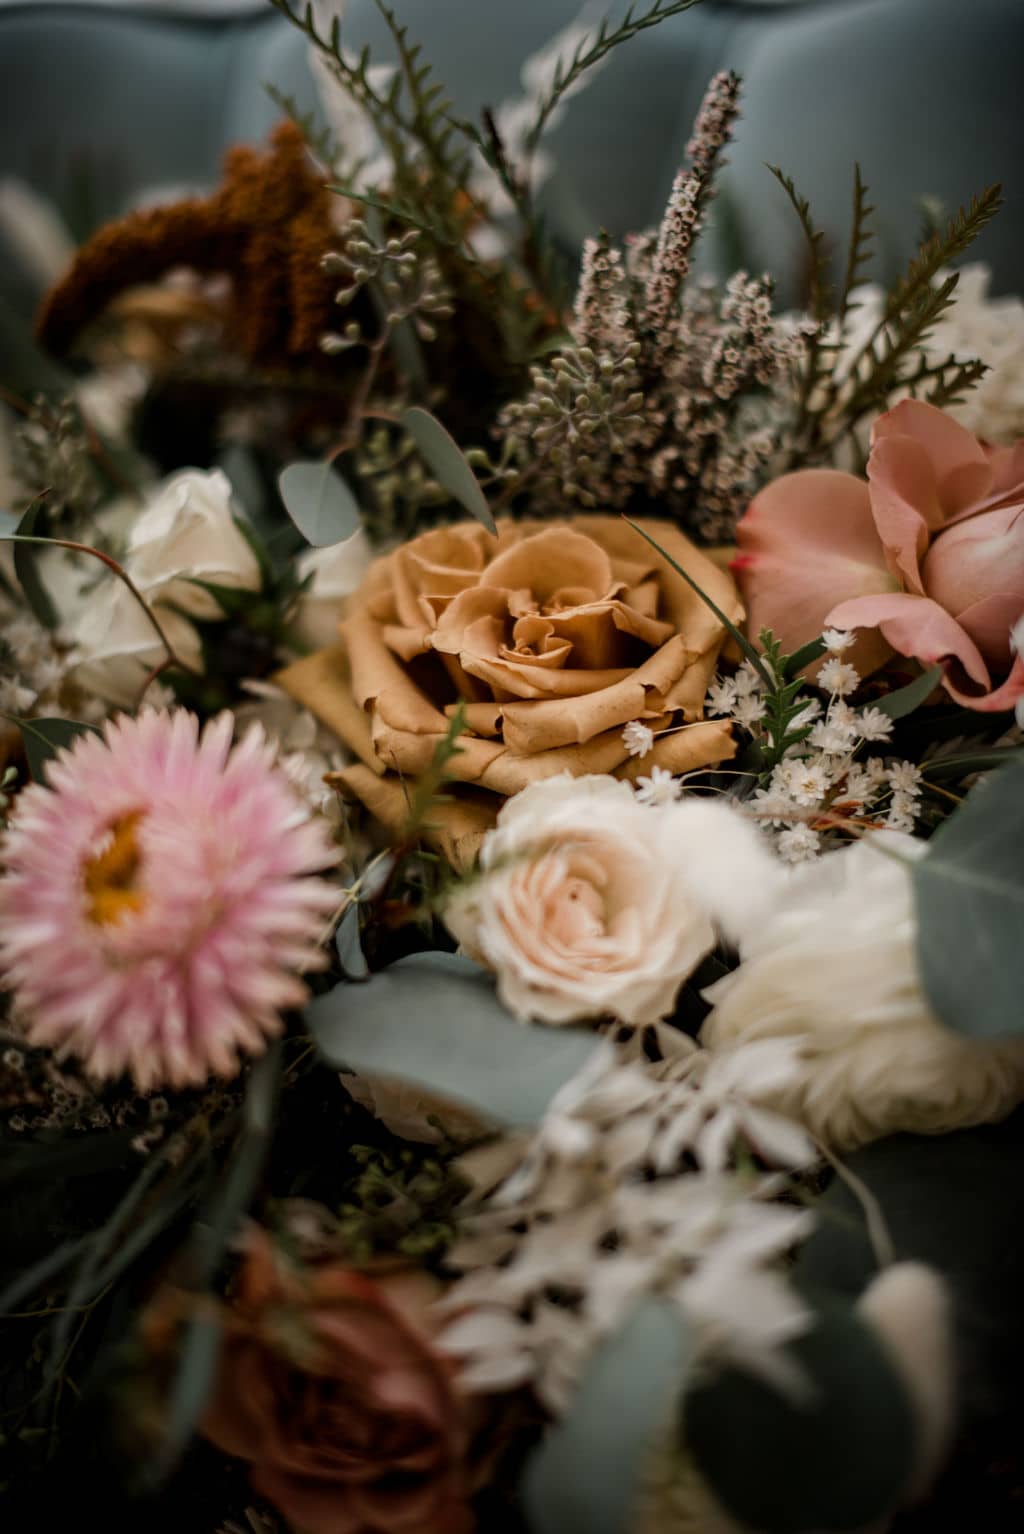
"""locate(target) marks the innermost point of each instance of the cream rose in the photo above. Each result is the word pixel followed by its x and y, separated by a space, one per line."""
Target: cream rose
pixel 117 647
pixel 553 636
pixel 578 910
pixel 830 965
pixel 187 533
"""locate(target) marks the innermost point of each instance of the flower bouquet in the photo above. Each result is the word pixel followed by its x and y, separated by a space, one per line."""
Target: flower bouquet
pixel 513 869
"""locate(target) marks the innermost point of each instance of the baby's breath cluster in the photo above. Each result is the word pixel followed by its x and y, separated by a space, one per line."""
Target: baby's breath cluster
pixel 818 783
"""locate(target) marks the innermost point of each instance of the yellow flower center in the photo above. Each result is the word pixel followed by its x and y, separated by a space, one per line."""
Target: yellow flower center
pixel 110 875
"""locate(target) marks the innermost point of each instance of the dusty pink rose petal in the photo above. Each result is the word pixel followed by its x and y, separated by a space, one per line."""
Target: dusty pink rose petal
pixel 926 559
pixel 914 626
pixel 330 1387
pixel 959 466
pixel 807 542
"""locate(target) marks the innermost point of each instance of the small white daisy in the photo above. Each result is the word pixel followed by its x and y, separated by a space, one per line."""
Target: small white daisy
pixel 807 715
pixel 747 680
pixel 748 710
pixel 797 844
pixel 837 641
pixel 872 724
pixel 860 785
pixel 721 696
pixel 660 788
pixel 637 738
pixel 904 777
pixel 832 738
pixel 838 676
pixel 810 782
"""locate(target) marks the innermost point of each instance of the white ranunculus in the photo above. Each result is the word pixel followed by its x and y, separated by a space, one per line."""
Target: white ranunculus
pixel 336 572
pixel 831 967
pixel 188 532
pixel 577 908
pixel 117 646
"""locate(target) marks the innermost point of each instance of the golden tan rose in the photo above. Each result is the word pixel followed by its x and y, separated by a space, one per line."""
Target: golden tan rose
pixel 553 636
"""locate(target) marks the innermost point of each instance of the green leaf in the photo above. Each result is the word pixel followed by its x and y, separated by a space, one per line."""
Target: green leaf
pixel 587 1472
pixel 960 766
pixel 969 888
pixel 197 1368
pixel 447 463
pixel 837 1461
pixel 26 568
pixel 26 1284
pixel 805 656
pixel 43 738
pixel 349 946
pixel 904 701
pixel 435 1019
pixel 217 1222
pixel 319 502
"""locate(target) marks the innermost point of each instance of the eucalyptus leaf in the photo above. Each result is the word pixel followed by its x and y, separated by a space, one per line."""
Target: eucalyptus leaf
pixel 904 701
pixel 27 1283
pixel 960 766
pixel 319 502
pixel 217 1222
pixel 587 1472
pixel 197 1367
pixel 26 568
pixel 349 946
pixel 838 1460
pixel 43 738
pixel 447 462
pixel 969 889
pixel 434 1019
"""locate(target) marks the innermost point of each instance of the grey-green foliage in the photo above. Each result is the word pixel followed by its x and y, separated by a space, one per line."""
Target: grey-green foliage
pixel 587 1473
pixel 969 889
pixel 435 1021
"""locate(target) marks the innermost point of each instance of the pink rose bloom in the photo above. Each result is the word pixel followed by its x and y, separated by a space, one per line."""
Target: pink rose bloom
pixel 926 558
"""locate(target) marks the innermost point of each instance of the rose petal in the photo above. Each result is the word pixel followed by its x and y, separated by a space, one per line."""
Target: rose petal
pixel 807 542
pixel 915 626
pixel 960 468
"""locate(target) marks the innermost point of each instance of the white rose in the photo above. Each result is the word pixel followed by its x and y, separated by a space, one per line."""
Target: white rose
pixel 578 910
pixel 118 646
pixel 336 572
pixel 831 966
pixel 188 532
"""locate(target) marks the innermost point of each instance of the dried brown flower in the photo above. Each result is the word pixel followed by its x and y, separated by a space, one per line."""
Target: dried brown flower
pixel 266 228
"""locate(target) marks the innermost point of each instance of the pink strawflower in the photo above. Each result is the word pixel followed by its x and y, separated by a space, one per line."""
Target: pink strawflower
pixel 156 905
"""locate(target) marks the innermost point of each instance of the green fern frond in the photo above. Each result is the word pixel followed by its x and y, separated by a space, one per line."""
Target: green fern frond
pixel 859 251
pixel 320 139
pixel 951 380
pixel 591 50
pixel 819 295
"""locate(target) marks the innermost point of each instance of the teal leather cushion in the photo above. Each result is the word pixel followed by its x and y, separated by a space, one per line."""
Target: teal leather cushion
pixel 101 104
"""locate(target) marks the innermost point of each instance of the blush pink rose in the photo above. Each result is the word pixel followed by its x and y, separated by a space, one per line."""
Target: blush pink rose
pixel 329 1386
pixel 926 558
